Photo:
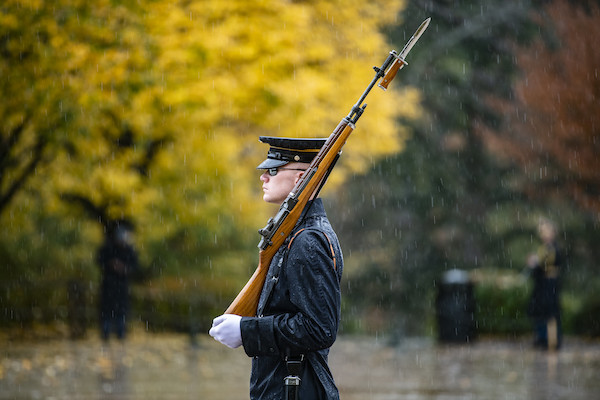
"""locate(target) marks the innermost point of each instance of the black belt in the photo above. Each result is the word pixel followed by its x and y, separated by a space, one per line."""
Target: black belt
pixel 292 381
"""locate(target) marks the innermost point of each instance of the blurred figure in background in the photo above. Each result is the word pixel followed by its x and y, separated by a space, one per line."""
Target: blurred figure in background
pixel 118 261
pixel 544 306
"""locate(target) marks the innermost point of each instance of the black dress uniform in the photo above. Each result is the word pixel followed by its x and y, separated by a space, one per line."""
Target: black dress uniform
pixel 544 305
pixel 299 308
pixel 118 261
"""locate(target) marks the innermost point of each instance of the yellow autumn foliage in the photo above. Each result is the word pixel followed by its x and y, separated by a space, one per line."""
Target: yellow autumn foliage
pixel 155 109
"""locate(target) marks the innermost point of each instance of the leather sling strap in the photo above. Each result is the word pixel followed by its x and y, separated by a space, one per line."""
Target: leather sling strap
pixel 328 240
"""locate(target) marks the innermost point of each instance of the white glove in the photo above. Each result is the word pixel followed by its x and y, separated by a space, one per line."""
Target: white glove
pixel 226 329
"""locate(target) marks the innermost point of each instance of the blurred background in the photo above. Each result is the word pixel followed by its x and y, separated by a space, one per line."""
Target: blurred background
pixel 148 114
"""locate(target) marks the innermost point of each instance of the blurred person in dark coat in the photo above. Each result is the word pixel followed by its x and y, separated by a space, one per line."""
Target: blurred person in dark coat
pixel 544 306
pixel 118 261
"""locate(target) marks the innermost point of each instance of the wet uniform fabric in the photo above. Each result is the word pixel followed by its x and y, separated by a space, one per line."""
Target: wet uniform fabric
pixel 298 311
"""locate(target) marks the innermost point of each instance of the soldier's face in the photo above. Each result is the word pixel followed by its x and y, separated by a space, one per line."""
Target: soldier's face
pixel 276 188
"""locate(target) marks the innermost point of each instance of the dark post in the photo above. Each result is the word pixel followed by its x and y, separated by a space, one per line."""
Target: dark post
pixel 455 308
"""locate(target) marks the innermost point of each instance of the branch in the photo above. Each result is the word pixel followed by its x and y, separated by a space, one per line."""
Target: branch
pixel 95 212
pixel 26 172
pixel 151 151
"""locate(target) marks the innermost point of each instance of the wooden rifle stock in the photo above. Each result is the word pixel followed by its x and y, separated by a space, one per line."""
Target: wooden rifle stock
pixel 246 302
pixel 279 227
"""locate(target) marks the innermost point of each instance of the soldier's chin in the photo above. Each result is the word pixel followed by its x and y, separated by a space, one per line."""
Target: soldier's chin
pixel 269 199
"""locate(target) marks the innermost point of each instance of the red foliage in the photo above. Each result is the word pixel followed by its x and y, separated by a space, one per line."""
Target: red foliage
pixel 552 128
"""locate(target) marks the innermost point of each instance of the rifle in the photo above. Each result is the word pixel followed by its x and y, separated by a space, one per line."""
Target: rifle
pixel 308 186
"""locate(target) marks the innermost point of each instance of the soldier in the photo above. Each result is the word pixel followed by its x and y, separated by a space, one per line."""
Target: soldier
pixel 544 305
pixel 299 308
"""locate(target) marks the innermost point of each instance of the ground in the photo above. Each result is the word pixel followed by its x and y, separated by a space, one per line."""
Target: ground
pixel 170 366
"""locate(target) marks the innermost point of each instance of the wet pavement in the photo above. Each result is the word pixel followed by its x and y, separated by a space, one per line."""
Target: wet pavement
pixel 158 366
pixel 419 370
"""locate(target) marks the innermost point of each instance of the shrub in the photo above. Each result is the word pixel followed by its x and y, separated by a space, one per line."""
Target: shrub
pixel 501 302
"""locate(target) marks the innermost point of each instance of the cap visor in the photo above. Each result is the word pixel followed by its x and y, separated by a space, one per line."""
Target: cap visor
pixel 271 163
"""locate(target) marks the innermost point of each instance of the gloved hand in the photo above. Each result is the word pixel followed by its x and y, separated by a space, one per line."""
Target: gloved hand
pixel 226 329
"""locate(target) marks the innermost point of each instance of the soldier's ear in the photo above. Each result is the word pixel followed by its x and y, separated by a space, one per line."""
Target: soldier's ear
pixel 298 176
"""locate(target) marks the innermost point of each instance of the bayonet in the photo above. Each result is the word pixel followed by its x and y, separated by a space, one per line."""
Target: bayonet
pixel 400 59
pixel 411 42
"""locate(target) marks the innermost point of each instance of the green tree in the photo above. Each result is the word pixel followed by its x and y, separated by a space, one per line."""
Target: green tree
pixel 451 199
pixel 443 202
